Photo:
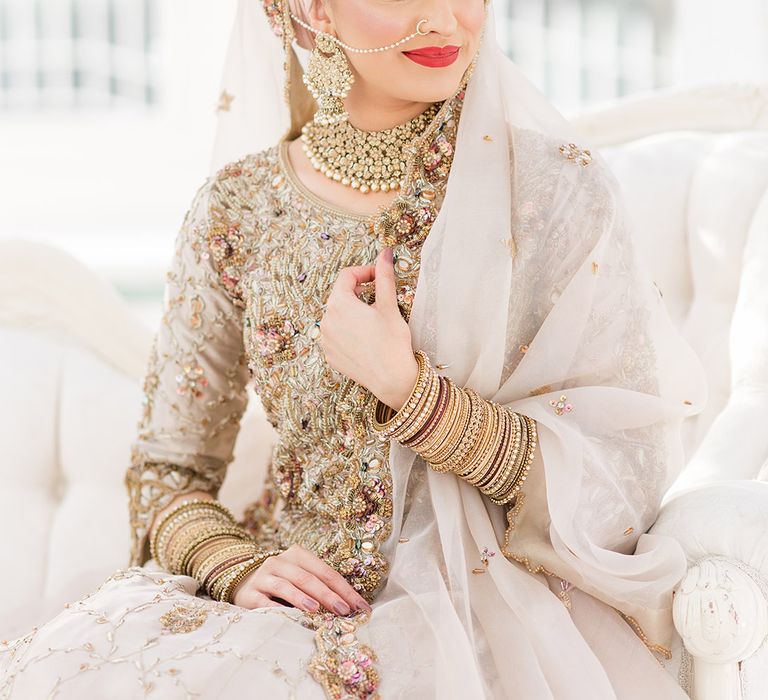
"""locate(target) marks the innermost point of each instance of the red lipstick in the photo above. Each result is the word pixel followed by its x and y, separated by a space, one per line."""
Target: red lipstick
pixel 434 56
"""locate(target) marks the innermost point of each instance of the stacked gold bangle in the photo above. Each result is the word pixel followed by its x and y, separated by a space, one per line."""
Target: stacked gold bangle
pixel 201 538
pixel 455 429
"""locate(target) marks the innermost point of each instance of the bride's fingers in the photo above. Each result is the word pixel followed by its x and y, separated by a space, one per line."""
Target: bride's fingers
pixel 264 601
pixel 332 578
pixel 350 277
pixel 278 586
pixel 309 561
pixel 316 589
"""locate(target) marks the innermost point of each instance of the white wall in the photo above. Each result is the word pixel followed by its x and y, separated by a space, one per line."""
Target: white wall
pixel 111 186
pixel 721 40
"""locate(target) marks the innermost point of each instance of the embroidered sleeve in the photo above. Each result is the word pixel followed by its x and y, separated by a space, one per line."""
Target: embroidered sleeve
pixel 195 383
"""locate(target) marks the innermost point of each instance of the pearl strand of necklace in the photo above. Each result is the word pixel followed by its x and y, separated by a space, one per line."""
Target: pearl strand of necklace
pixel 368 161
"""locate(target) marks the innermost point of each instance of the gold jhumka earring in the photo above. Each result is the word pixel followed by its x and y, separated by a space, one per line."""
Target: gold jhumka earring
pixel 365 161
pixel 328 78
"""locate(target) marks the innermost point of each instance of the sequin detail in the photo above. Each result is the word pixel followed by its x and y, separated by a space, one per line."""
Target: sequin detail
pixel 225 102
pixel 191 381
pixel 226 242
pixel 578 155
pixel 183 618
pixel 561 405
pixel 343 665
pixel 273 339
pixel 485 555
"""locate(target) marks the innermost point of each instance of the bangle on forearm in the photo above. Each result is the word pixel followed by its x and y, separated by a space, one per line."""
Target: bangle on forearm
pixel 402 420
pixel 202 539
pixel 213 567
pixel 459 445
pixel 455 429
pixel 508 449
pixel 476 464
pixel 185 505
pixel 189 509
pixel 510 490
pixel 500 471
pixel 234 576
pixel 454 423
pixel 423 412
pixel 424 433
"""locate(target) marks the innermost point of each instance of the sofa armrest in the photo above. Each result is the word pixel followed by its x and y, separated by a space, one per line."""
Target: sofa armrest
pixel 720 607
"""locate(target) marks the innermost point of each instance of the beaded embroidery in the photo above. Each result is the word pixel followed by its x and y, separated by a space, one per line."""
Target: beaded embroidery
pixel 269 264
pixel 273 339
pixel 485 555
pixel 225 101
pixel 580 156
pixel 183 618
pixel 191 381
pixel 560 405
pixel 343 665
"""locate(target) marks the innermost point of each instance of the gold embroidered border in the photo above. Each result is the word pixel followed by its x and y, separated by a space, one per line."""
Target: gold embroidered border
pixel 342 664
pixel 512 514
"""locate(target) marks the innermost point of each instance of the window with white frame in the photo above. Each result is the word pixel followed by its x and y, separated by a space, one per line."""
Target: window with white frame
pixel 78 53
pixel 583 51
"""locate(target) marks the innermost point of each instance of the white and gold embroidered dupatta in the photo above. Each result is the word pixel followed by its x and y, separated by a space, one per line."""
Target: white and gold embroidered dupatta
pixel 529 292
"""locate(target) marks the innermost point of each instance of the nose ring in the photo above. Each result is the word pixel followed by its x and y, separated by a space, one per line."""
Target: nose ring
pixel 418 28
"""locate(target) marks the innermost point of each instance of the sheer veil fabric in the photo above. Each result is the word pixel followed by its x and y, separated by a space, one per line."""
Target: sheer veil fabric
pixel 529 290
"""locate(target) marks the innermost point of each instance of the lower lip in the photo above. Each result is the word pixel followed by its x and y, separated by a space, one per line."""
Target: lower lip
pixel 433 61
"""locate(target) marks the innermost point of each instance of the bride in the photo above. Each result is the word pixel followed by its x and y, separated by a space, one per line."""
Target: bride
pixel 429 281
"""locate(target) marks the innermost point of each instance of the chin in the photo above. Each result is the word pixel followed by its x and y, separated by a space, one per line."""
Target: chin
pixel 437 87
pixel 436 91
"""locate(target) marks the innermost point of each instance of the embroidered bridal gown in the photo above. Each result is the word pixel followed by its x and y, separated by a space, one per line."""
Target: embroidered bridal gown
pixel 254 263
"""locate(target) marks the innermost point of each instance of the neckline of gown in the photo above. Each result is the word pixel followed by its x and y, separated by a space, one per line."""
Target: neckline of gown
pixel 304 191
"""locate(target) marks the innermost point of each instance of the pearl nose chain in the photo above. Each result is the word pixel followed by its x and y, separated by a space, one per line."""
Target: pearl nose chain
pixel 418 32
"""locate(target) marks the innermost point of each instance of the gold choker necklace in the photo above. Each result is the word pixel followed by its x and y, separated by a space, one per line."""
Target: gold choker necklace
pixel 369 161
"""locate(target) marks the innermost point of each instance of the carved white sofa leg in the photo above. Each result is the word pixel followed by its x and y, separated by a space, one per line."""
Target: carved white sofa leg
pixel 720 610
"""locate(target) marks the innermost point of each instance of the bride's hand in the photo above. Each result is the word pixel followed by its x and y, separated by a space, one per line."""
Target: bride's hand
pixel 370 343
pixel 301 578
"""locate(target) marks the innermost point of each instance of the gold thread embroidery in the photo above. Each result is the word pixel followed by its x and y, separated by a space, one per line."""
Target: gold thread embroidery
pixel 342 664
pixel 181 618
pixel 578 155
pixel 512 514
pixel 658 648
pixel 225 101
pixel 560 405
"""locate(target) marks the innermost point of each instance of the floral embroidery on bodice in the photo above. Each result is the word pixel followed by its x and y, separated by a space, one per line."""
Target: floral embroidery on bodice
pixel 255 261
pixel 280 254
pixel 278 250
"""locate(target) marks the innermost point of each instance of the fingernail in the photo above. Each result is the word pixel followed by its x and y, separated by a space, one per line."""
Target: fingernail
pixel 341 608
pixel 388 254
pixel 311 604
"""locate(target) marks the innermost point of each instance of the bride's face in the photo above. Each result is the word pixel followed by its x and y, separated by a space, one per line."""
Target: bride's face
pixel 452 25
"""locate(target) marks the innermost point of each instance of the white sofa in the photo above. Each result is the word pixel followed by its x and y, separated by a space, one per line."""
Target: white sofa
pixel 694 169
